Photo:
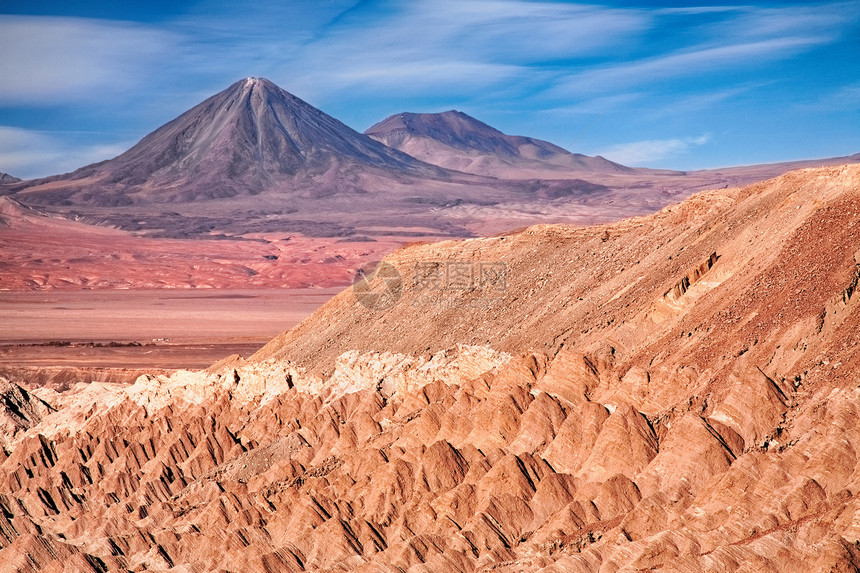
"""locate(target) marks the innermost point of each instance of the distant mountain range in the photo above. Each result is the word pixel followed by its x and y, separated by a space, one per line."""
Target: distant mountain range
pixel 247 139
pixel 6 178
pixel 255 158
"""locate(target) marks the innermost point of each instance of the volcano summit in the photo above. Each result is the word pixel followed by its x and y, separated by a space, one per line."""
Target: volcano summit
pixel 250 138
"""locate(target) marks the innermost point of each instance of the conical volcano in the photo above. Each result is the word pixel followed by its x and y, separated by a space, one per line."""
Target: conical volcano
pixel 251 137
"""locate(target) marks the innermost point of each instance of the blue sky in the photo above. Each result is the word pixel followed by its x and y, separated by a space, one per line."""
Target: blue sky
pixel 670 85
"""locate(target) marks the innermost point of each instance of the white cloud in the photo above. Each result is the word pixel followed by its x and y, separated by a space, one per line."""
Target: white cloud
pixel 30 154
pixel 462 46
pixel 51 59
pixel 745 36
pixel 640 153
pixel 418 76
pixel 697 10
pixel 684 63
pixel 596 105
pixel 516 31
pixel 760 22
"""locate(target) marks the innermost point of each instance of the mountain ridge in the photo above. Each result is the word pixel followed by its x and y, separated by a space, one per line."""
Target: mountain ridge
pixel 456 140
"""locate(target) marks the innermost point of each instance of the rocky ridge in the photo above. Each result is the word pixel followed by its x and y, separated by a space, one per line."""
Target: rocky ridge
pixel 673 392
pixel 458 141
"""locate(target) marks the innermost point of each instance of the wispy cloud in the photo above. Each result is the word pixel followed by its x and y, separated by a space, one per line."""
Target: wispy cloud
pixel 642 153
pixel 689 104
pixel 844 98
pixel 595 105
pixel 741 37
pixel 698 10
pixel 543 67
pixel 791 20
pixel 47 59
pixel 30 154
pixel 684 63
pixel 404 48
pixel 447 44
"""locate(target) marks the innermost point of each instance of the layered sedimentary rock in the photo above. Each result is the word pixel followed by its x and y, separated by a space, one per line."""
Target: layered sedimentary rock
pixel 674 392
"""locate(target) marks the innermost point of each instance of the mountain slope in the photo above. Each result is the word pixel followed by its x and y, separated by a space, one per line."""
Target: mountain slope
pixel 549 268
pixel 6 178
pixel 251 137
pixel 673 392
pixel 455 140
